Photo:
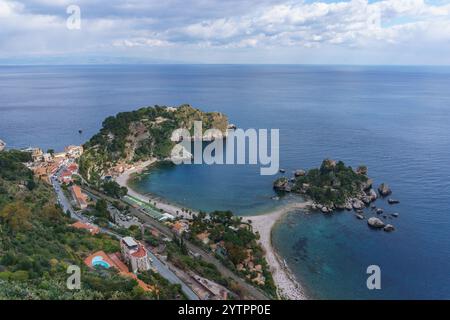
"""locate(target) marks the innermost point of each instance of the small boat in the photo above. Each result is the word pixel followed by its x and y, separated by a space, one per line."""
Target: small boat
pixel 282 170
pixel 80 131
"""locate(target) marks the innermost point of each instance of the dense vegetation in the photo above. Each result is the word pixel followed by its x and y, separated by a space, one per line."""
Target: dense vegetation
pixel 178 254
pixel 113 189
pixel 140 135
pixel 331 184
pixel 37 244
pixel 234 243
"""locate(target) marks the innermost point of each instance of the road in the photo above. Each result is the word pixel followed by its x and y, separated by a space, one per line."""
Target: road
pixel 63 201
pixel 161 267
pixel 164 271
pixel 253 292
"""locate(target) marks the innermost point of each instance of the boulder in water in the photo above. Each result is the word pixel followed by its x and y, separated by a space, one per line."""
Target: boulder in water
pixel 375 223
pixel 373 195
pixel 384 190
pixel 393 201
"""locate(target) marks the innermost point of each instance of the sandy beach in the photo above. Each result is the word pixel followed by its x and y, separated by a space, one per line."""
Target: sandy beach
pixel 158 203
pixel 287 285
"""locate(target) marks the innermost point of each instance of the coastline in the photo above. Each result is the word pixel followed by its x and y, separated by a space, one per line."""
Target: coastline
pixel 171 208
pixel 287 285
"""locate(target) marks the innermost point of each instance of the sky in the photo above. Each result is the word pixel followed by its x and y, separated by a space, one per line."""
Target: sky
pixel 412 32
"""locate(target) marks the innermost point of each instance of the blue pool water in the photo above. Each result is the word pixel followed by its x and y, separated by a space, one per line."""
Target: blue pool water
pixel 98 261
pixel 396 120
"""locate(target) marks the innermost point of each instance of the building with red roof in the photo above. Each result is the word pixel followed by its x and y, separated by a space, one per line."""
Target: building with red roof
pixel 79 197
pixel 73 167
pixel 103 260
pixel 65 177
pixel 86 226
pixel 135 254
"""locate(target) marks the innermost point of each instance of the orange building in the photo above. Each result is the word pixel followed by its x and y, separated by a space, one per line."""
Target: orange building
pixel 86 226
pixel 79 197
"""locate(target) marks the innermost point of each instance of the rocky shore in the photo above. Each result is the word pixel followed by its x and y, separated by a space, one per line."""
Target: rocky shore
pixel 335 187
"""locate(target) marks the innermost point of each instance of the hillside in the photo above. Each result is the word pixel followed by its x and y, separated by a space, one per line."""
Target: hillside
pixel 139 135
pixel 37 245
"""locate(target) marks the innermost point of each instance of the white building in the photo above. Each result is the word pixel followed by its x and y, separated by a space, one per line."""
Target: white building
pixel 74 151
pixel 135 254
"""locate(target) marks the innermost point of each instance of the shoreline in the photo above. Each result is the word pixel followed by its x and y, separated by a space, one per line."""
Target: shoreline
pixel 287 285
pixel 171 208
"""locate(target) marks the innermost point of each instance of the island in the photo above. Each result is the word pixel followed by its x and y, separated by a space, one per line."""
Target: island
pixel 335 186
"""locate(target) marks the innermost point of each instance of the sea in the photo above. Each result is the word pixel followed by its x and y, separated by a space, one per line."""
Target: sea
pixel 393 119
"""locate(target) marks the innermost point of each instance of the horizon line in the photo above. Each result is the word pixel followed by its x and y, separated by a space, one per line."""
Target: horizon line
pixel 218 64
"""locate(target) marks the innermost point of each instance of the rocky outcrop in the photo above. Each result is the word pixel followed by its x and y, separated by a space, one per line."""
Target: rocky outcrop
pixel 357 204
pixel 145 134
pixel 384 190
pixel 328 164
pixel 367 184
pixel 389 228
pixel 362 170
pixel 375 223
pixel 281 184
pixel 326 210
pixel 299 173
pixel 393 201
pixel 395 215
pixel 2 145
pixel 366 200
pixel 336 187
pixel 372 195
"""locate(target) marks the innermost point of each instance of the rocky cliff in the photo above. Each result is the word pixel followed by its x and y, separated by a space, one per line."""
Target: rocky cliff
pixel 140 135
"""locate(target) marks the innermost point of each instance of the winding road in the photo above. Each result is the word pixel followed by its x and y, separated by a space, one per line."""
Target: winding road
pixel 251 292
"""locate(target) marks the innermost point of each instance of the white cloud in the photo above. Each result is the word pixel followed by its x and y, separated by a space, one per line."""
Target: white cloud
pixel 352 23
pixel 220 28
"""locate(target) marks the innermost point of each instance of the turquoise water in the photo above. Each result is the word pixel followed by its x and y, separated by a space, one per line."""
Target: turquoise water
pixel 99 262
pixel 396 120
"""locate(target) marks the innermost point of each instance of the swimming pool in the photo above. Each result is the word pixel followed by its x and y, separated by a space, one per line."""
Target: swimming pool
pixel 98 261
